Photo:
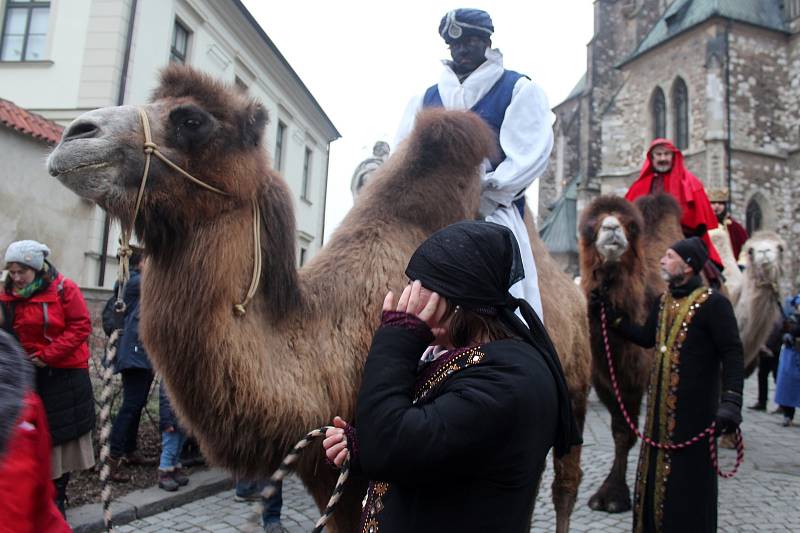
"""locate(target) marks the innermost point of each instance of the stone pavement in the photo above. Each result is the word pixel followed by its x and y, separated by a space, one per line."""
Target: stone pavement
pixel 763 497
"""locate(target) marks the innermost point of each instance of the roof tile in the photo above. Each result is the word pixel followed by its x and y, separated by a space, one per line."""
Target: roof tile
pixel 22 120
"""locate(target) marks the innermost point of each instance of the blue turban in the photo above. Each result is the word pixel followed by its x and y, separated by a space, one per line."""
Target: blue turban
pixel 465 22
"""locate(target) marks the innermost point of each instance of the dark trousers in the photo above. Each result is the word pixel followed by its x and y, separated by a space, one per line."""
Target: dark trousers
pixel 135 390
pixel 788 411
pixel 271 511
pixel 766 365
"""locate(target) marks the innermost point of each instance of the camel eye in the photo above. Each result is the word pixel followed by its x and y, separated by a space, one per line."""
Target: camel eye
pixel 192 123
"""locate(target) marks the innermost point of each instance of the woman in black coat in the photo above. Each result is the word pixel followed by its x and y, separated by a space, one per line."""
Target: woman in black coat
pixel 454 436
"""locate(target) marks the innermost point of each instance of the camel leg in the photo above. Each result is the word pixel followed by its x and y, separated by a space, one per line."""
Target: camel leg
pixel 614 495
pixel 568 476
pixel 568 473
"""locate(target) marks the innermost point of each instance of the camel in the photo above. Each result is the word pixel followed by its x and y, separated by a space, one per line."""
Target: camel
pixel 620 247
pixel 759 304
pixel 733 276
pixel 250 386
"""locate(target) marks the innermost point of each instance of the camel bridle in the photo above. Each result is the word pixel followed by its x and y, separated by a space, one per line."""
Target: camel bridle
pixel 151 149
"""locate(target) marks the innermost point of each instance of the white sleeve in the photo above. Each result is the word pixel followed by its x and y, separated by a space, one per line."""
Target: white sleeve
pixel 407 122
pixel 526 137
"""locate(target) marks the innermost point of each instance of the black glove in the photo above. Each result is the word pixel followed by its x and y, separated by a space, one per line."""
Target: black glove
pixel 729 413
pixel 598 297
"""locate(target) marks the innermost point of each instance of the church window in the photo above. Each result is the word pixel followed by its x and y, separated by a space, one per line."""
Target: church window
pixel 754 216
pixel 680 104
pixel 658 108
pixel 24 30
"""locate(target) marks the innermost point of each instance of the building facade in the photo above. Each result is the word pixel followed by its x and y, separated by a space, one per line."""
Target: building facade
pixel 721 78
pixel 60 58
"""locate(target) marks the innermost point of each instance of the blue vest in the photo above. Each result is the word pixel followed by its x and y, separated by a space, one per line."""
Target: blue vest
pixel 491 108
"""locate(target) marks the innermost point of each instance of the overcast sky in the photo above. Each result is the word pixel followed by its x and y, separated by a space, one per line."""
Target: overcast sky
pixel 363 61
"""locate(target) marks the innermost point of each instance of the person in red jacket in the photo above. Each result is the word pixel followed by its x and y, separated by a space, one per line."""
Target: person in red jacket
pixel 47 314
pixel 664 172
pixel 26 493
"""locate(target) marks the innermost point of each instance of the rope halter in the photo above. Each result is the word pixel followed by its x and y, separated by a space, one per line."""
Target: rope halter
pixel 151 149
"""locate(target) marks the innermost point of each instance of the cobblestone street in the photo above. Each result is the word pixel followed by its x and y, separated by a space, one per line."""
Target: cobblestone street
pixel 763 497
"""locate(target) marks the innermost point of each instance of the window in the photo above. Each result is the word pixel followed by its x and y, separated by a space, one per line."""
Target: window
pixel 279 139
pixel 180 44
pixel 24 30
pixel 754 217
pixel 680 104
pixel 658 108
pixel 240 84
pixel 303 253
pixel 306 174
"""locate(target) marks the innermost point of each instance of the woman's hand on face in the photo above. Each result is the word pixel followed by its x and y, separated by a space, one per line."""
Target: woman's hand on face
pixel 416 300
pixel 335 443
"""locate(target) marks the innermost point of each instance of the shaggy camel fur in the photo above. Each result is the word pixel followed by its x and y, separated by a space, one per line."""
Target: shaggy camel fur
pixel 620 247
pixel 250 386
pixel 759 303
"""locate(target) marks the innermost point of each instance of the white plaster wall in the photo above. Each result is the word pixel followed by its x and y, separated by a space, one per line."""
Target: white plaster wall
pixel 34 205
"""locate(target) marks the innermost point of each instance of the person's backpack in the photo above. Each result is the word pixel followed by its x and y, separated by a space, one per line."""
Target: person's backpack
pixel 112 319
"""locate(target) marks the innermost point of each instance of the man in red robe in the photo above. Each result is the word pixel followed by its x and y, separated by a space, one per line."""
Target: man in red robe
pixel 736 232
pixel 664 172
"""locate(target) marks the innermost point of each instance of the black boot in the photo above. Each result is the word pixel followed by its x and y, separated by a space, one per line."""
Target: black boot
pixel 61 493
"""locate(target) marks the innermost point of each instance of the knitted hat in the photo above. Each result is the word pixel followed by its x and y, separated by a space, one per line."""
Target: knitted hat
pixel 465 22
pixel 28 253
pixel 693 252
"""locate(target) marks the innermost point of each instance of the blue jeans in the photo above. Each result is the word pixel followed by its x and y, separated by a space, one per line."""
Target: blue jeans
pixel 272 506
pixel 135 389
pixel 171 444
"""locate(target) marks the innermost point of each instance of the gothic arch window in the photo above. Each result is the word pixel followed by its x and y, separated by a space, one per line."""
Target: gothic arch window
pixel 754 216
pixel 658 111
pixel 680 105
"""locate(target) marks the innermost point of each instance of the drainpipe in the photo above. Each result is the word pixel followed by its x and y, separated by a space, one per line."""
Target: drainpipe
pixel 728 109
pixel 101 278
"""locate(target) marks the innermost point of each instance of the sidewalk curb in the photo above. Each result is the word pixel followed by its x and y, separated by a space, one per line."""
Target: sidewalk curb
pixel 147 502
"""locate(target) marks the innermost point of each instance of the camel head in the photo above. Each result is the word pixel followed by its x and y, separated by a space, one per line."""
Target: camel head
pixel 763 256
pixel 206 128
pixel 610 226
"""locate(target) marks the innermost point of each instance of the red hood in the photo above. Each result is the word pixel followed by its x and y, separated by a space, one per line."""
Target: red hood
pixel 685 187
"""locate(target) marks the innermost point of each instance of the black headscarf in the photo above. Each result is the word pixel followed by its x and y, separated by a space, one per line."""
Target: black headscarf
pixel 473 264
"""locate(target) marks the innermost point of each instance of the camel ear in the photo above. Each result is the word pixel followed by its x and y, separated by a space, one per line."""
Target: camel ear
pixel 253 124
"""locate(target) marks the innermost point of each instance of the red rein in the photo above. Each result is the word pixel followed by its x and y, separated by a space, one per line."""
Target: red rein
pixel 710 430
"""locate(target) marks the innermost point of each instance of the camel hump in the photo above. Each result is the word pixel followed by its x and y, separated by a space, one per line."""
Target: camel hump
pixel 657 209
pixel 601 206
pixel 453 138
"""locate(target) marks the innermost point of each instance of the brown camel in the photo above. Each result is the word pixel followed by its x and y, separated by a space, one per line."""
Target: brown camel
pixel 250 386
pixel 620 247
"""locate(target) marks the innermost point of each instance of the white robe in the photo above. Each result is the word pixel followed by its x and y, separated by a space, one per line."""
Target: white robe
pixel 526 137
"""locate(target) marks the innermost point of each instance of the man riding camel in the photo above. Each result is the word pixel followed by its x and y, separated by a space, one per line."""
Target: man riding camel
pixel 736 232
pixel 664 172
pixel 517 111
